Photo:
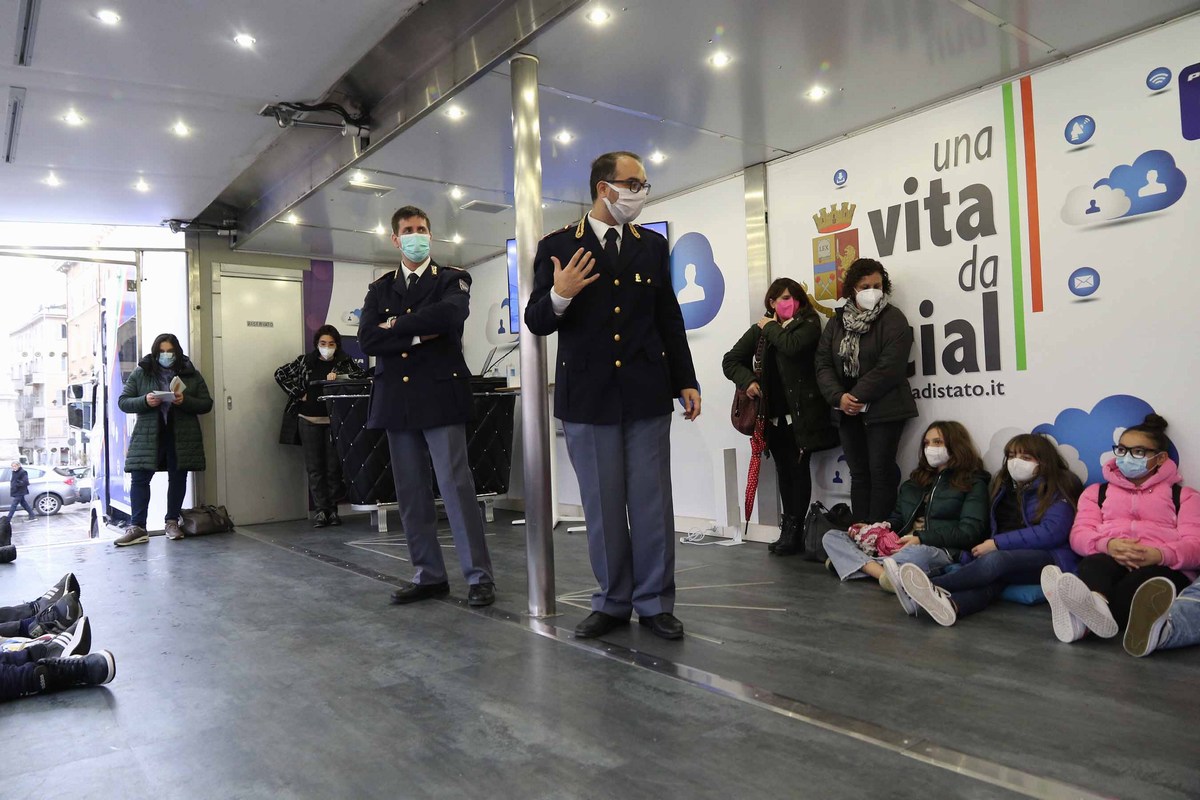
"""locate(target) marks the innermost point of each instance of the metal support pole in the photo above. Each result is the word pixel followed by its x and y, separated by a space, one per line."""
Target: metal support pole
pixel 535 418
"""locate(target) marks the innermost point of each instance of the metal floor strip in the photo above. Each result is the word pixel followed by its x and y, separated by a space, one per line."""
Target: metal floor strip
pixel 923 750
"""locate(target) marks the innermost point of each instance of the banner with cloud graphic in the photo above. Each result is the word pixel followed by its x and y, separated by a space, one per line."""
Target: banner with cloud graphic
pixel 1151 183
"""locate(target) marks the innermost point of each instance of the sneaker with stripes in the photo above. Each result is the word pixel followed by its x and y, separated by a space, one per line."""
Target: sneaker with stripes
pixel 66 584
pixel 94 669
pixel 57 617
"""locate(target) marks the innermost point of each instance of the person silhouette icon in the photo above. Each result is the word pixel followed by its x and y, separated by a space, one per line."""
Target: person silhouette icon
pixel 691 292
pixel 837 476
pixel 1093 208
pixel 1152 186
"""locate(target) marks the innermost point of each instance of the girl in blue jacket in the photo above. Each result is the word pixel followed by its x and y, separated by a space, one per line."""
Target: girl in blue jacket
pixel 1033 507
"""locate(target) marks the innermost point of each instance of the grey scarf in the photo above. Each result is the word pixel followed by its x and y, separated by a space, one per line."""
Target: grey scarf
pixel 856 322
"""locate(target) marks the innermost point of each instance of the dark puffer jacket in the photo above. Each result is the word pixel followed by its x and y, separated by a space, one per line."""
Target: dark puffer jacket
pixel 954 520
pixel 883 368
pixel 789 349
pixel 19 485
pixel 143 446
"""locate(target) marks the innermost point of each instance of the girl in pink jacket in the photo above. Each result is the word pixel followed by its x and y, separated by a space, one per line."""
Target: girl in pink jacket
pixel 1138 526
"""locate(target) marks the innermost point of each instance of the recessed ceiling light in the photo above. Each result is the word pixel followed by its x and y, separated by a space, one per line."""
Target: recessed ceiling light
pixel 657 157
pixel 180 129
pixel 720 59
pixel 457 193
pixel 291 219
pixel 359 176
pixel 563 137
pixel 457 238
pixel 245 40
pixel 141 185
pixel 598 16
pixel 108 17
pixel 52 180
pixel 455 112
pixel 379 229
pixel 73 118
pixel 816 93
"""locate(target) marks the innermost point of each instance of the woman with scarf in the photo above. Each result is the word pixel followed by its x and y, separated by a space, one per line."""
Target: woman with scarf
pixel 862 368
pixel 797 419
pixel 310 418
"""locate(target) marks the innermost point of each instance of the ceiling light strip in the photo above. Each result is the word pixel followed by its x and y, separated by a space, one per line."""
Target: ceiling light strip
pixel 27 20
pixel 1004 25
pixel 12 122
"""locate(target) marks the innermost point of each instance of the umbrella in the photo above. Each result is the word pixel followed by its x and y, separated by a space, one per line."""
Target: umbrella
pixel 758 444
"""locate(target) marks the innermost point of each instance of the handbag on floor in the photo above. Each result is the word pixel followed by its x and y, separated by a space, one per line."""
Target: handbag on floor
pixel 204 520
pixel 817 522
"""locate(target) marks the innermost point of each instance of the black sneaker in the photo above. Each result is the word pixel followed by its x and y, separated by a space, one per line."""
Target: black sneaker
pixel 333 518
pixel 74 641
pixel 5 532
pixel 64 673
pixel 8 554
pixel 58 617
pixel 321 520
pixel 66 584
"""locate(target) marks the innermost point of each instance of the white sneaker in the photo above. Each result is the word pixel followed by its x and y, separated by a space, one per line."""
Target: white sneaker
pixel 1067 626
pixel 921 591
pixel 1148 616
pixel 1090 607
pixel 892 571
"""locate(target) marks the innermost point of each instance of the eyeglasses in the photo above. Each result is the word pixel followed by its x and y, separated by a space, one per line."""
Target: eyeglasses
pixel 1136 452
pixel 633 184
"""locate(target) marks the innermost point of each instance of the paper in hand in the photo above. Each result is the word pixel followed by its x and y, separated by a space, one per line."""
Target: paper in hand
pixel 177 385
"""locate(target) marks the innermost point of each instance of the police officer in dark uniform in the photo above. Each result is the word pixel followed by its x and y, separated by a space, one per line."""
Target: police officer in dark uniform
pixel 412 322
pixel 604 285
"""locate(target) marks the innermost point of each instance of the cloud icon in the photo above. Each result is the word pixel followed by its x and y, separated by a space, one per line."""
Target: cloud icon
pixel 1151 183
pixel 1093 433
pixel 697 280
pixel 1086 205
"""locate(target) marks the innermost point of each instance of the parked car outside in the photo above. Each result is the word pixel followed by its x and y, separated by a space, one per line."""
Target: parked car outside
pixel 48 491
pixel 83 481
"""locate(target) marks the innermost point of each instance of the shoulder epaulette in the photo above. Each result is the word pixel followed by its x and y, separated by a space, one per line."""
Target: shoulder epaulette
pixel 557 231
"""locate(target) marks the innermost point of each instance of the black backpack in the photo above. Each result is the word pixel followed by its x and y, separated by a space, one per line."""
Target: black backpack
pixel 1176 495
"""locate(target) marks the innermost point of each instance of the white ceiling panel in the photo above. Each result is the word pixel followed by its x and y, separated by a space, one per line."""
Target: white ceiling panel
pixel 1075 25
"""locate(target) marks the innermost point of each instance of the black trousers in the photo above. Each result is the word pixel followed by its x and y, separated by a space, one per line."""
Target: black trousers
pixel 323 465
pixel 1104 574
pixel 792 467
pixel 871 457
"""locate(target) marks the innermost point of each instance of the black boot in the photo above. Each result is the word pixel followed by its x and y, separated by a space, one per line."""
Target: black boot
pixel 790 539
pixel 5 532
pixel 775 544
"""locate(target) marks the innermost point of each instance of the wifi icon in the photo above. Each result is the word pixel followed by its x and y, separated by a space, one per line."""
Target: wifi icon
pixel 1158 79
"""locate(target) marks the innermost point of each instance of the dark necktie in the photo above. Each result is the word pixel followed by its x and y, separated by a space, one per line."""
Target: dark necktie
pixel 610 246
pixel 412 281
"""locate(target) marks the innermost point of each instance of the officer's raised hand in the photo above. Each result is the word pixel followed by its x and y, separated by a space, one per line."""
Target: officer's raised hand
pixel 571 279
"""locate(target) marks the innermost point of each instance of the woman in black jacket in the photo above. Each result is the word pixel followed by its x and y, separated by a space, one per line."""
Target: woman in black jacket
pixel 325 362
pixel 797 418
pixel 862 370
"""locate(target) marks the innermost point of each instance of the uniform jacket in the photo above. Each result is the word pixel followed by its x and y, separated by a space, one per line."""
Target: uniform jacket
pixel 143 447
pixel 622 348
pixel 1146 513
pixel 789 350
pixel 293 376
pixel 883 368
pixel 1052 532
pixel 954 520
pixel 424 385
pixel 19 485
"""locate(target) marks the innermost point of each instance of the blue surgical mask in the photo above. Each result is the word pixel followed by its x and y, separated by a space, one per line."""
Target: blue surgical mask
pixel 415 246
pixel 166 359
pixel 1133 467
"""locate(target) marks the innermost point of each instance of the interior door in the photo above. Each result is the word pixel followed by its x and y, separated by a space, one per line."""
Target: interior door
pixel 261 329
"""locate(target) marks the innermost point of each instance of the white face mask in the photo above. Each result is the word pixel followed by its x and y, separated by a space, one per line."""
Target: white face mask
pixel 868 298
pixel 937 456
pixel 628 205
pixel 326 352
pixel 1022 471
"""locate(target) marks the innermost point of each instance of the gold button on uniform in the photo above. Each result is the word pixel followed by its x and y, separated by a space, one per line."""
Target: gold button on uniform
pixel 617 310
pixel 616 337
pixel 406 379
pixel 404 355
pixel 618 363
pixel 616 281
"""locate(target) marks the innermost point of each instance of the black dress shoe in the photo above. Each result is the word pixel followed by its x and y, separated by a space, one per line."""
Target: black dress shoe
pixel 481 594
pixel 664 625
pixel 597 624
pixel 412 592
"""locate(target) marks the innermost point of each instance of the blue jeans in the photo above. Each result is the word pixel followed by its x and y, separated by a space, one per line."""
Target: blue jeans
pixel 139 484
pixel 980 583
pixel 21 502
pixel 1183 620
pixel 848 560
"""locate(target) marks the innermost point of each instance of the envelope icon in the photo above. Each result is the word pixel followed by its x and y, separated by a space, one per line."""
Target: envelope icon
pixel 1085 281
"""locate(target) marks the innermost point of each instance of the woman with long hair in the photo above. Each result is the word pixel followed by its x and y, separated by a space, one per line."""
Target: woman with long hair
pixel 1032 507
pixel 168 394
pixel 797 420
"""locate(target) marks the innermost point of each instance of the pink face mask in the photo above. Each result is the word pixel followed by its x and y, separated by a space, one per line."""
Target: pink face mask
pixel 784 309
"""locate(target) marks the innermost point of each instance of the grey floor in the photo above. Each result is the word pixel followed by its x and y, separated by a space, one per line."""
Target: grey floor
pixel 268 663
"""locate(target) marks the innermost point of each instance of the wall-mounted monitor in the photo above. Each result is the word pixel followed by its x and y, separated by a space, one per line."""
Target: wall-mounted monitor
pixel 514 306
